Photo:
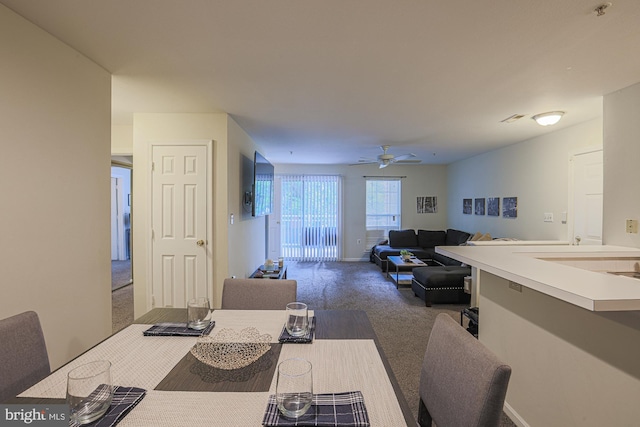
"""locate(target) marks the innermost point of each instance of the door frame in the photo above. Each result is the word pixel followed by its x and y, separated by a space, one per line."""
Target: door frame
pixel 571 170
pixel 208 143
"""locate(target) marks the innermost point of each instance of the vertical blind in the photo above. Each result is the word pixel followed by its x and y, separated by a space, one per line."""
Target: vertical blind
pixel 310 222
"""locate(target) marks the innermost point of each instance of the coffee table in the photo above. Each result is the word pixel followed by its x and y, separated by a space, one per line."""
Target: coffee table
pixel 403 269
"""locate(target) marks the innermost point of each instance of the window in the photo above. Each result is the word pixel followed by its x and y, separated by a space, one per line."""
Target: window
pixel 383 208
pixel 310 217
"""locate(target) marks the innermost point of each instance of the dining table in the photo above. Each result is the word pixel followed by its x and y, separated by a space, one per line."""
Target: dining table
pixel 181 390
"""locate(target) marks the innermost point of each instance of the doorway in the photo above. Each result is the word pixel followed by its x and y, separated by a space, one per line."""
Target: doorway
pixel 121 238
pixel 121 249
pixel 586 197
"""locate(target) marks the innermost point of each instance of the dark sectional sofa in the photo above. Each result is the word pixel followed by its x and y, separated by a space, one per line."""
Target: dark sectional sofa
pixel 422 244
pixel 440 283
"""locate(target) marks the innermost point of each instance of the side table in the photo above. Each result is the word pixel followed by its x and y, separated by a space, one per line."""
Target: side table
pixel 274 272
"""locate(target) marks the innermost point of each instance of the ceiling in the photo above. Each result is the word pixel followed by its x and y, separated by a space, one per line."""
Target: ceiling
pixel 331 81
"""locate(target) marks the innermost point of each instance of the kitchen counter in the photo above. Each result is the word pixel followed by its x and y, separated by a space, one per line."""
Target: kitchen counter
pixel 547 269
pixel 569 329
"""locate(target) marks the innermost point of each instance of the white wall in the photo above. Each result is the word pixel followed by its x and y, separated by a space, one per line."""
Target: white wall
pixel 246 237
pixel 535 171
pixel 55 118
pixel 621 165
pixel 121 140
pixel 421 180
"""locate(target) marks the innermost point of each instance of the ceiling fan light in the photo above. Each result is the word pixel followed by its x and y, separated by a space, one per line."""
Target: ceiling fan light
pixel 548 119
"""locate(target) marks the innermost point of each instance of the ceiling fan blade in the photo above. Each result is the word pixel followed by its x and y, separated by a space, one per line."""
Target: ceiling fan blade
pixel 410 161
pixel 362 162
pixel 404 156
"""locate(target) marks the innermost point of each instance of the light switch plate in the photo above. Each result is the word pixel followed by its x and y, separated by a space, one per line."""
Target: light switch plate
pixel 632 226
pixel 548 217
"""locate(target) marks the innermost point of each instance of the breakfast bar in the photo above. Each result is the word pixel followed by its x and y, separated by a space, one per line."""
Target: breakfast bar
pixel 567 320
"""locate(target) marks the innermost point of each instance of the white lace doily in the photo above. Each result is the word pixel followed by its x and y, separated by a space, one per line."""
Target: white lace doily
pixel 230 349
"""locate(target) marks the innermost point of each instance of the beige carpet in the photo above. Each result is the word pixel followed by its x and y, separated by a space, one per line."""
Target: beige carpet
pixel 120 274
pixel 400 320
pixel 122 308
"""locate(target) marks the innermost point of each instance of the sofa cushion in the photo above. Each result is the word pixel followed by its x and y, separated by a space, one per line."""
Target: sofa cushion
pixel 422 253
pixel 403 239
pixel 456 237
pixel 431 238
pixel 445 260
pixel 383 251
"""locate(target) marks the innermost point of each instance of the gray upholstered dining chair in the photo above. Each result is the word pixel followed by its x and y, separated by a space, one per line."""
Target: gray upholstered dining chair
pixel 23 354
pixel 258 294
pixel 462 383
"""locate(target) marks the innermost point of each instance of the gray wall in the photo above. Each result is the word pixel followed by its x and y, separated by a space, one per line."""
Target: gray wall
pixel 55 115
pixel 535 171
pixel 621 165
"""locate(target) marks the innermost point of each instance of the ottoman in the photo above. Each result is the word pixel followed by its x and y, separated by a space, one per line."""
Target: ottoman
pixel 443 284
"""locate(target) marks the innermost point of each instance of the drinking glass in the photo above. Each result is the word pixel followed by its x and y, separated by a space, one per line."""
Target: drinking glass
pixel 297 323
pixel 294 387
pixel 197 312
pixel 89 391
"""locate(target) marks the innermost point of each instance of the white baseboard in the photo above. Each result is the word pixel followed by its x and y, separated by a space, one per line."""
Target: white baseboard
pixel 514 416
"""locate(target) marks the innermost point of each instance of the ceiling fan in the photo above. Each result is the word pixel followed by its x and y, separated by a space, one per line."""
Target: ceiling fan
pixel 385 159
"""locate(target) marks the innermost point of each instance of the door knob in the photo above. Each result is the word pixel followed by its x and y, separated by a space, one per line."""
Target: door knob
pixel 200 243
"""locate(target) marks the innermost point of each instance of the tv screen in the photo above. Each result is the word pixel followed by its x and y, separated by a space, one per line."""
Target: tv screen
pixel 262 186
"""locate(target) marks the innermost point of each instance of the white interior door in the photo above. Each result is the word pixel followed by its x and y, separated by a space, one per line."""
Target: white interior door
pixel 587 198
pixel 179 224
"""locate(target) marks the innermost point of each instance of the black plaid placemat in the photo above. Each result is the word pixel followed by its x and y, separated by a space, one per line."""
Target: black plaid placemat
pixel 177 330
pixel 124 399
pixel 285 337
pixel 327 410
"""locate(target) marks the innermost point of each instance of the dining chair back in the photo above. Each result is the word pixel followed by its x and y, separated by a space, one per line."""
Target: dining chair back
pixel 258 294
pixel 23 354
pixel 462 383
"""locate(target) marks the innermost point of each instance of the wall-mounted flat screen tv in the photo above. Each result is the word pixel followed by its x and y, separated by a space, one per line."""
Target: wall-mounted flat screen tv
pixel 263 173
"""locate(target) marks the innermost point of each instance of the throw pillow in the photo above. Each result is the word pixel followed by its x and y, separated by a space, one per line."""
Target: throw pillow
pixel 476 236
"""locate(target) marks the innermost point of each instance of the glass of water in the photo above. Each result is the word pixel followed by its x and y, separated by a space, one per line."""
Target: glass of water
pixel 297 322
pixel 294 387
pixel 89 391
pixel 197 313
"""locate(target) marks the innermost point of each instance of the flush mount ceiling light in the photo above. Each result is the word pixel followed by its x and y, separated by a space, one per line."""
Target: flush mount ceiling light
pixel 548 119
